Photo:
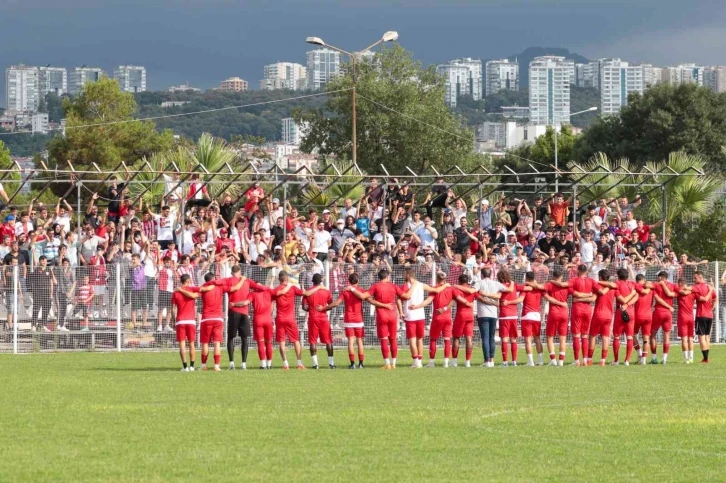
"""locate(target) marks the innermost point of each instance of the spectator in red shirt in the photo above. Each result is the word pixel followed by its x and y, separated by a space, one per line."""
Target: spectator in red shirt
pixel 558 209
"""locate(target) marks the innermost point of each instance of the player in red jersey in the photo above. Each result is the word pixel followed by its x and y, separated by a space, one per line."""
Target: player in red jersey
pixel 185 315
pixel 318 323
pixel 285 322
pixel 383 295
pixel 352 319
pixel 705 298
pixel 532 316
pixel 464 295
pixel 211 327
pixel 260 298
pixel 581 314
pixel 602 318
pixel 441 323
pixel 508 317
pixel 413 315
pixel 626 298
pixel 643 316
pixel 556 293
pixel 686 323
pixel 238 319
pixel 663 293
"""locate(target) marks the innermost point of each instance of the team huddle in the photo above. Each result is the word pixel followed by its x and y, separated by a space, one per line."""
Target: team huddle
pixel 599 308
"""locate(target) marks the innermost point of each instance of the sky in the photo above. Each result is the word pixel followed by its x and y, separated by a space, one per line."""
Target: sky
pixel 205 41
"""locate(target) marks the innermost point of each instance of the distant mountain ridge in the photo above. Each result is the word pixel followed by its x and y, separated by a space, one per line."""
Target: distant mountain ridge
pixel 525 57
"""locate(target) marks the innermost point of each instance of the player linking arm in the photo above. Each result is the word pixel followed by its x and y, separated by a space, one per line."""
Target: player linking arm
pixel 352 320
pixel 184 312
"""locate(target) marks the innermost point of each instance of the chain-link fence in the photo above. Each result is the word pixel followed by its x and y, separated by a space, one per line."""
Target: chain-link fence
pixel 127 305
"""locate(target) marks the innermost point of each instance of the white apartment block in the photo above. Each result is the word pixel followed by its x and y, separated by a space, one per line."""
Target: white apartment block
pixel 651 75
pixel 617 81
pixel 183 88
pixel 292 133
pixel 283 75
pixel 683 74
pixel 323 66
pixel 21 88
pixel 715 78
pixel 585 75
pixel 131 78
pixel 52 79
pixel 501 75
pixel 39 123
pixel 461 77
pixel 80 76
pixel 549 90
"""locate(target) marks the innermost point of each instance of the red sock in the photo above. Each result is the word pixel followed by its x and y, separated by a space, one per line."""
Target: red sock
pixel 468 354
pixel 586 348
pixel 261 352
pixel 666 348
pixel 576 347
pixel 455 351
pixel 269 351
pixel 432 350
pixel 654 350
pixel 636 345
pixel 447 348
pixel 505 351
pixel 562 356
pixel 384 349
pixel 394 347
pixel 204 358
pixel 644 353
pixel 361 356
pixel 351 356
pixel 552 356
pixel 604 353
pixel 514 351
pixel 628 349
pixel 216 359
pixel 616 348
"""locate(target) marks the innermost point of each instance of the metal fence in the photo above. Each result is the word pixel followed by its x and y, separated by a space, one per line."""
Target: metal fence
pixel 101 308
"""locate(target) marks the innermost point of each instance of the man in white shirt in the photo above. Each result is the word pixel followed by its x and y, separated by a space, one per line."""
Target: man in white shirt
pixel 348 209
pixel 487 312
pixel 389 242
pixel 257 247
pixel 63 215
pixel 321 242
pixel 165 226
pixel 427 234
pixel 24 225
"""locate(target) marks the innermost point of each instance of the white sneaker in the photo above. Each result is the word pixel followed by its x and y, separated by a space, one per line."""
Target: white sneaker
pixel 467 364
pixel 414 365
pixel 616 363
pixel 454 363
pixel 231 366
pixel 32 329
pixel 505 364
pixel 514 364
pixel 95 315
pixel 169 328
pixel 446 365
pixel 553 362
pixel 485 364
pixel 191 369
pixel 626 363
pixel 185 369
pixel 104 313
pixel 159 329
pixel 431 364
pixel 530 364
pixel 561 363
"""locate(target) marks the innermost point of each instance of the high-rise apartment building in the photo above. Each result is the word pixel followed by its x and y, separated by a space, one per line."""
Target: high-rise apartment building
pixel 21 88
pixel 233 84
pixel 291 132
pixel 549 90
pixel 501 75
pixel 683 74
pixel 52 79
pixel 651 75
pixel 322 66
pixel 715 78
pixel 462 77
pixel 585 75
pixel 80 76
pixel 131 78
pixel 617 81
pixel 284 75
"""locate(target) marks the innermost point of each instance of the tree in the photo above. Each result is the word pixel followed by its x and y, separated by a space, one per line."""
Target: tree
pixel 493 102
pixel 54 105
pixel 347 186
pixel 582 98
pixel 402 117
pixel 663 120
pixel 704 237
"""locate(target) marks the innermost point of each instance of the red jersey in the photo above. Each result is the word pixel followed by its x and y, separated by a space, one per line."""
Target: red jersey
pixel 532 300
pixel 644 305
pixel 253 195
pixel 703 309
pixel 211 302
pixel 353 306
pixel 261 301
pixel 560 294
pixel 224 242
pixel 658 290
pixel 558 212
pixel 604 304
pixel 84 294
pixel 685 307
pixel 641 234
pixel 186 307
pixel 443 299
pixel 462 311
pixel 98 270
pixel 582 285
pixel 286 302
pixel 239 295
pixel 510 310
pixel 625 288
pixel 166 280
pixel 385 293
pixel 321 297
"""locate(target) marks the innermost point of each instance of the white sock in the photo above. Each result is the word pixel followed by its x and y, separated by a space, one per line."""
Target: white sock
pixel 331 361
pixel 299 362
pixel 244 365
pixel 216 366
pixel 285 364
pixel 539 358
pixel 204 364
pixel 315 360
pixel 419 363
pixel 530 359
pixel 393 361
pixel 269 363
pixel 665 357
pixel 263 363
pixel 231 363
pixel 446 360
pixel 655 357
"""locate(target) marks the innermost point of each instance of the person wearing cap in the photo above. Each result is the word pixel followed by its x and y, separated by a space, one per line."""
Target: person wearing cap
pixel 484 213
pixel 8 227
pixel 339 234
pixel 223 241
pixel 327 220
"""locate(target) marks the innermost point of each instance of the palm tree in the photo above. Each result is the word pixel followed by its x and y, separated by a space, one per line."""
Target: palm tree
pixel 348 185
pixel 593 186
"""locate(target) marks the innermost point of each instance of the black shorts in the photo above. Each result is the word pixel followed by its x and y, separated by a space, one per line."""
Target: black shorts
pixel 165 299
pixel 238 324
pixel 138 299
pixel 703 325
pixel 83 309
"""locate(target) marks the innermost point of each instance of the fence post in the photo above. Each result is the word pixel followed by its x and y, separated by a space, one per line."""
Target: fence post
pixel 119 320
pixel 717 284
pixel 14 308
pixel 433 274
pixel 326 277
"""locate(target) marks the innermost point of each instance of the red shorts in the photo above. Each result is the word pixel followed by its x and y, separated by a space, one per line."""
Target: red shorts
pixel 531 328
pixel 440 327
pixel 286 328
pixel 186 332
pixel 601 326
pixel 463 328
pixel 662 320
pixel 354 332
pixel 686 328
pixel 386 328
pixel 262 331
pixel 319 330
pixel 556 325
pixel 211 331
pixel 508 328
pixel 643 326
pixel 415 328
pixel 580 323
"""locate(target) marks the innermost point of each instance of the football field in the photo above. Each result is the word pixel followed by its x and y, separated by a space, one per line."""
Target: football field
pixel 135 417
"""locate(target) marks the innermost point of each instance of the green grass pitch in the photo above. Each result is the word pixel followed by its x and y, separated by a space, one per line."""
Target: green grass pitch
pixel 135 417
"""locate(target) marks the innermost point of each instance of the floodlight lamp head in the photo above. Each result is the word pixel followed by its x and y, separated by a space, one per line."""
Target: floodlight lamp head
pixel 315 41
pixel 390 36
